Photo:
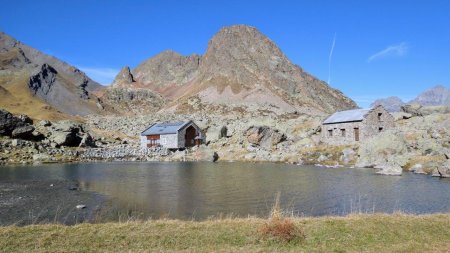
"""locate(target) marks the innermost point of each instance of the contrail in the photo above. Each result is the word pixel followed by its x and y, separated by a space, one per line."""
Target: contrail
pixel 329 59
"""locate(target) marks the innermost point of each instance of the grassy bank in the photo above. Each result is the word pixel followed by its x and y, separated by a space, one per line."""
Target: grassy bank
pixel 355 233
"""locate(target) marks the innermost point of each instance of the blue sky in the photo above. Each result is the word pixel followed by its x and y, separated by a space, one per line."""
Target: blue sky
pixel 381 48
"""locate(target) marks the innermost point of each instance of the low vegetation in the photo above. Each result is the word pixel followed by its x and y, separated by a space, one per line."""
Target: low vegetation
pixel 354 233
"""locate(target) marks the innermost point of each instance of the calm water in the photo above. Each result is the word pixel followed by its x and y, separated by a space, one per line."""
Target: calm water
pixel 199 190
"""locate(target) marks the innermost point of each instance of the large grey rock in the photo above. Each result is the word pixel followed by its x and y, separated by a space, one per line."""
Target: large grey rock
pixel 348 156
pixel 9 122
pixel 442 170
pixel 68 126
pixel 389 145
pixel 23 132
pixel 413 109
pixel 65 139
pixel 264 136
pixel 204 153
pixel 87 141
pixel 389 169
pixel 216 133
pixel 44 123
pixel 418 169
pixel 41 157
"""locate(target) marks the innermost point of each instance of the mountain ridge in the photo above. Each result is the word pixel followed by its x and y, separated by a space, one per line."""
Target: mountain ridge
pixel 51 85
pixel 240 68
pixel 438 95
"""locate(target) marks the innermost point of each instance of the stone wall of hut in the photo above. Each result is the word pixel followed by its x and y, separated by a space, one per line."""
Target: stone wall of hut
pixel 376 120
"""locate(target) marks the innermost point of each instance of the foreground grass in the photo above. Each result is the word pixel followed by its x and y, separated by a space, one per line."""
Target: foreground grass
pixel 355 233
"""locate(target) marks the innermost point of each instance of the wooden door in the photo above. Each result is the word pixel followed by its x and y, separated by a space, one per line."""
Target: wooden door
pixel 190 136
pixel 356 130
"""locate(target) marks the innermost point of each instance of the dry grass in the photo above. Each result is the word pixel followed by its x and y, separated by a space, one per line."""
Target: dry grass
pixel 19 100
pixel 279 227
pixel 355 233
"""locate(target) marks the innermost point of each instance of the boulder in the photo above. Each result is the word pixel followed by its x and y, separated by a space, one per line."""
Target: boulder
pixel 80 206
pixel 418 169
pixel 44 123
pixel 322 158
pixel 9 122
pixel 65 139
pixel 68 126
pixel 216 133
pixel 401 115
pixel 204 153
pixel 442 171
pixel 87 141
pixel 389 145
pixel 348 156
pixel 23 132
pixel 17 143
pixel 68 133
pixel 413 109
pixel 264 136
pixel 389 169
pixel 41 157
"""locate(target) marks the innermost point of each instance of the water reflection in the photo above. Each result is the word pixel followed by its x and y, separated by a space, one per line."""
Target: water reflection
pixel 198 190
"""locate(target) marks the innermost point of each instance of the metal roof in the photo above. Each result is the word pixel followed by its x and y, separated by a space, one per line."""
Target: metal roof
pixel 165 128
pixel 347 116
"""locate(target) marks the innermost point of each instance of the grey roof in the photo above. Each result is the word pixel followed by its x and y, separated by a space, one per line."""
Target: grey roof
pixel 347 116
pixel 165 128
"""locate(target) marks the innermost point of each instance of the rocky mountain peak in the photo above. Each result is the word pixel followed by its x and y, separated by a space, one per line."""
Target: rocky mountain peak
pixel 166 69
pixel 241 60
pixel 240 68
pixel 392 104
pixel 438 95
pixel 123 78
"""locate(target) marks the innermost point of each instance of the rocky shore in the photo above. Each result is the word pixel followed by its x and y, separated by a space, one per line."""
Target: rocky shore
pixel 419 142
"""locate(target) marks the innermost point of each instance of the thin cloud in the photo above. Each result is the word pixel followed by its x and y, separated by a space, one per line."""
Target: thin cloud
pixel 104 76
pixel 393 50
pixel 329 58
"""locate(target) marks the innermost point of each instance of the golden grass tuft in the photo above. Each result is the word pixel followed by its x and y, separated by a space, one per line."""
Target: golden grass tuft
pixel 279 227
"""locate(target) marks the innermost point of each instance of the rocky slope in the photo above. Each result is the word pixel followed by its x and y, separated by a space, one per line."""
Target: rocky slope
pixel 241 69
pixel 31 76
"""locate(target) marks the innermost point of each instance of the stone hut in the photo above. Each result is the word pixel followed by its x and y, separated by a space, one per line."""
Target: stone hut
pixel 172 135
pixel 352 126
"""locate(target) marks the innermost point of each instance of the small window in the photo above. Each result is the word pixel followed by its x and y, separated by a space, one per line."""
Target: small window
pixel 379 116
pixel 330 133
pixel 343 132
pixel 380 129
